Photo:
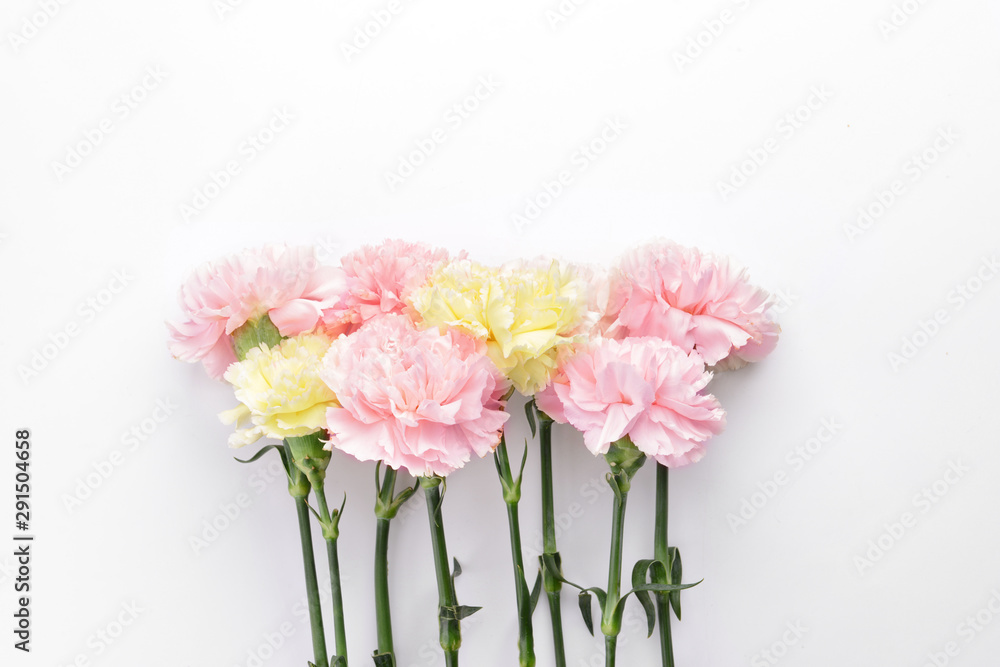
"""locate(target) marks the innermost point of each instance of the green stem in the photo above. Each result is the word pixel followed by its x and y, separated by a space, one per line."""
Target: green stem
pixel 614 575
pixel 451 631
pixel 312 586
pixel 383 614
pixel 329 534
pixel 660 553
pixel 553 586
pixel 512 494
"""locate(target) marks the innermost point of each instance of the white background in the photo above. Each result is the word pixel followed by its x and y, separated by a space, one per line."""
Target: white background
pixel 851 297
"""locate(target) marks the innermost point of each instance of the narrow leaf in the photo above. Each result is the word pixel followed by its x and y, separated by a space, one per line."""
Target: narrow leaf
pixel 457 613
pixel 676 573
pixel 529 411
pixel 638 579
pixel 586 611
pixel 383 660
pixel 536 591
pixel 665 587
pixel 259 454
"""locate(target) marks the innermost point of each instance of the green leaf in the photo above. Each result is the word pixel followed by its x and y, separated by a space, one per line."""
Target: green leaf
pixel 662 588
pixel 458 612
pixel 338 661
pixel 529 411
pixel 520 473
pixel 675 569
pixel 383 659
pixel 536 591
pixel 585 604
pixel 524 607
pixel 638 579
pixel 259 454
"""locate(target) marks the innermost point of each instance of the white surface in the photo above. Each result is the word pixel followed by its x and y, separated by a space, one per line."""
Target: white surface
pixel 850 303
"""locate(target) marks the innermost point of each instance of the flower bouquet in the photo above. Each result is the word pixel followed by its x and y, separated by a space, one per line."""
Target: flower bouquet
pixel 405 356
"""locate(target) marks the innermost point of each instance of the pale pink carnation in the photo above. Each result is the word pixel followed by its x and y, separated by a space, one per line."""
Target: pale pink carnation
pixel 697 301
pixel 645 388
pixel 286 283
pixel 420 400
pixel 379 280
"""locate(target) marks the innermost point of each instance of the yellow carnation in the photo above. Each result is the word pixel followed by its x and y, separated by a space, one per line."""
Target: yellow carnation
pixel 525 312
pixel 280 392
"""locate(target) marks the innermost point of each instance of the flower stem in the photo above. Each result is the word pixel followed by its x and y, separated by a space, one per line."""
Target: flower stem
pixel 610 650
pixel 614 576
pixel 512 495
pixel 660 553
pixel 451 631
pixel 553 587
pixel 383 614
pixel 330 534
pixel 312 587
pixel 625 459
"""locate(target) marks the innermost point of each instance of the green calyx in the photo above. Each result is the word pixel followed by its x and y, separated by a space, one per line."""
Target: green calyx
pixel 431 481
pixel 309 456
pixel 625 460
pixel 253 333
pixel 387 501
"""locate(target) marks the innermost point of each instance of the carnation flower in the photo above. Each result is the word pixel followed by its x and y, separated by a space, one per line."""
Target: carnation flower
pixel 280 391
pixel 525 312
pixel 645 388
pixel 420 400
pixel 286 283
pixel 697 301
pixel 379 279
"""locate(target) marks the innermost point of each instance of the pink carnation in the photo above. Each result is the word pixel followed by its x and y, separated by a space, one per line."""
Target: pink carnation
pixel 695 300
pixel 286 283
pixel 420 400
pixel 645 388
pixel 379 278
